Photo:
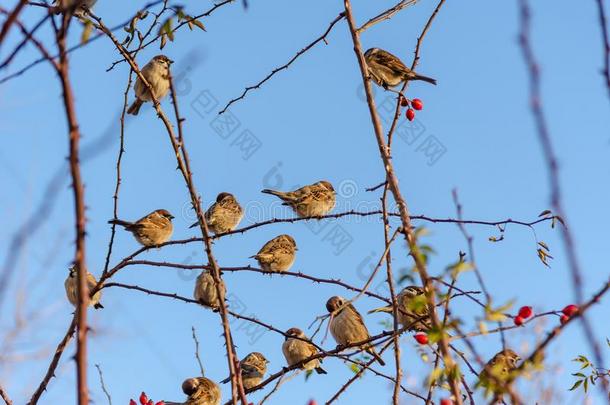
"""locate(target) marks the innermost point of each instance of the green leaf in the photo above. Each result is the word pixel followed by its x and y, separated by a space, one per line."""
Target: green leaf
pixel 576 385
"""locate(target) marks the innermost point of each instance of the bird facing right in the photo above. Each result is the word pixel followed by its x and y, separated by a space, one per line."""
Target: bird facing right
pixel 156 73
pixel 200 391
pixel 347 326
pixel 388 70
pixel 297 348
pixel 278 254
pixel 313 200
pixel 224 215
pixel 151 230
pixel 412 306
pixel 498 372
pixel 253 368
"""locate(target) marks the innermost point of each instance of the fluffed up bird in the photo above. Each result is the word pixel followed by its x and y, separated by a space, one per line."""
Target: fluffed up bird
pixel 156 73
pixel 388 71
pixel 278 254
pixel 79 6
pixel 224 215
pixel 253 368
pixel 200 391
pixel 205 290
pixel 498 372
pixel 347 325
pixel 152 230
pixel 309 201
pixel 412 305
pixel 71 285
pixel 297 347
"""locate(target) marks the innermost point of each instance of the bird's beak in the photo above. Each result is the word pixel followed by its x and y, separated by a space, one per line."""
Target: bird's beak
pixel 171 217
pixel 170 61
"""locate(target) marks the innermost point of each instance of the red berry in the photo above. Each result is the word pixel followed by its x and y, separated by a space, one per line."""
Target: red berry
pixel 312 402
pixel 410 114
pixel 417 104
pixel 570 310
pixel 421 338
pixel 143 399
pixel 160 403
pixel 446 401
pixel 525 312
pixel 564 319
pixel 132 402
pixel 404 102
pixel 519 320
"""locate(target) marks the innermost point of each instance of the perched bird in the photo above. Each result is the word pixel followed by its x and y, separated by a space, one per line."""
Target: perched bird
pixel 297 348
pixel 278 254
pixel 388 71
pixel 200 391
pixel 151 230
pixel 71 285
pixel 224 215
pixel 412 306
pixel 79 6
pixel 156 73
pixel 308 201
pixel 347 326
pixel 205 290
pixel 253 368
pixel 497 372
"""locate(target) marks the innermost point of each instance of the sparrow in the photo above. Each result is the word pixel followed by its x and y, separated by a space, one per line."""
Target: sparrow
pixel 200 391
pixel 253 368
pixel 410 309
pixel 152 230
pixel 347 326
pixel 278 254
pixel 80 6
pixel 156 73
pixel 71 285
pixel 296 348
pixel 224 215
pixel 497 371
pixel 205 290
pixel 388 71
pixel 309 201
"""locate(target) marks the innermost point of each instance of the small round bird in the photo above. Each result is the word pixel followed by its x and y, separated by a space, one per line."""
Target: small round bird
pixel 79 6
pixel 205 290
pixel 200 391
pixel 388 71
pixel 224 215
pixel 152 230
pixel 412 306
pixel 278 254
pixel 313 200
pixel 297 347
pixel 71 285
pixel 498 372
pixel 347 325
pixel 156 73
pixel 253 368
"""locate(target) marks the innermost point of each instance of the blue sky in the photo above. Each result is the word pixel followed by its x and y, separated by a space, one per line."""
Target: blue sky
pixel 311 124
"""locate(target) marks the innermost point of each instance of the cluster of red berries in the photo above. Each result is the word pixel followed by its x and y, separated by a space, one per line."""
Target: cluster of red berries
pixel 568 312
pixel 145 401
pixel 524 313
pixel 421 338
pixel 416 104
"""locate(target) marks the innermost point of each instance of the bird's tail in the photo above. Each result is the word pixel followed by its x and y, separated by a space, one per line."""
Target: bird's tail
pixel 280 194
pixel 120 222
pixel 134 108
pixel 424 78
pixel 380 309
pixel 98 306
pixel 373 353
pixel 320 370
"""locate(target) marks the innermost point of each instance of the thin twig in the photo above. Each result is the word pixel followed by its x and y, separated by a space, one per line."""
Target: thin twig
pixel 197 352
pixel 99 371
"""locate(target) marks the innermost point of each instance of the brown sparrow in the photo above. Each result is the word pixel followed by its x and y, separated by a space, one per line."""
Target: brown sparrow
pixel 347 326
pixel 388 71
pixel 224 215
pixel 500 367
pixel 253 368
pixel 79 6
pixel 205 290
pixel 297 348
pixel 411 309
pixel 156 73
pixel 152 230
pixel 200 391
pixel 278 254
pixel 71 285
pixel 309 201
